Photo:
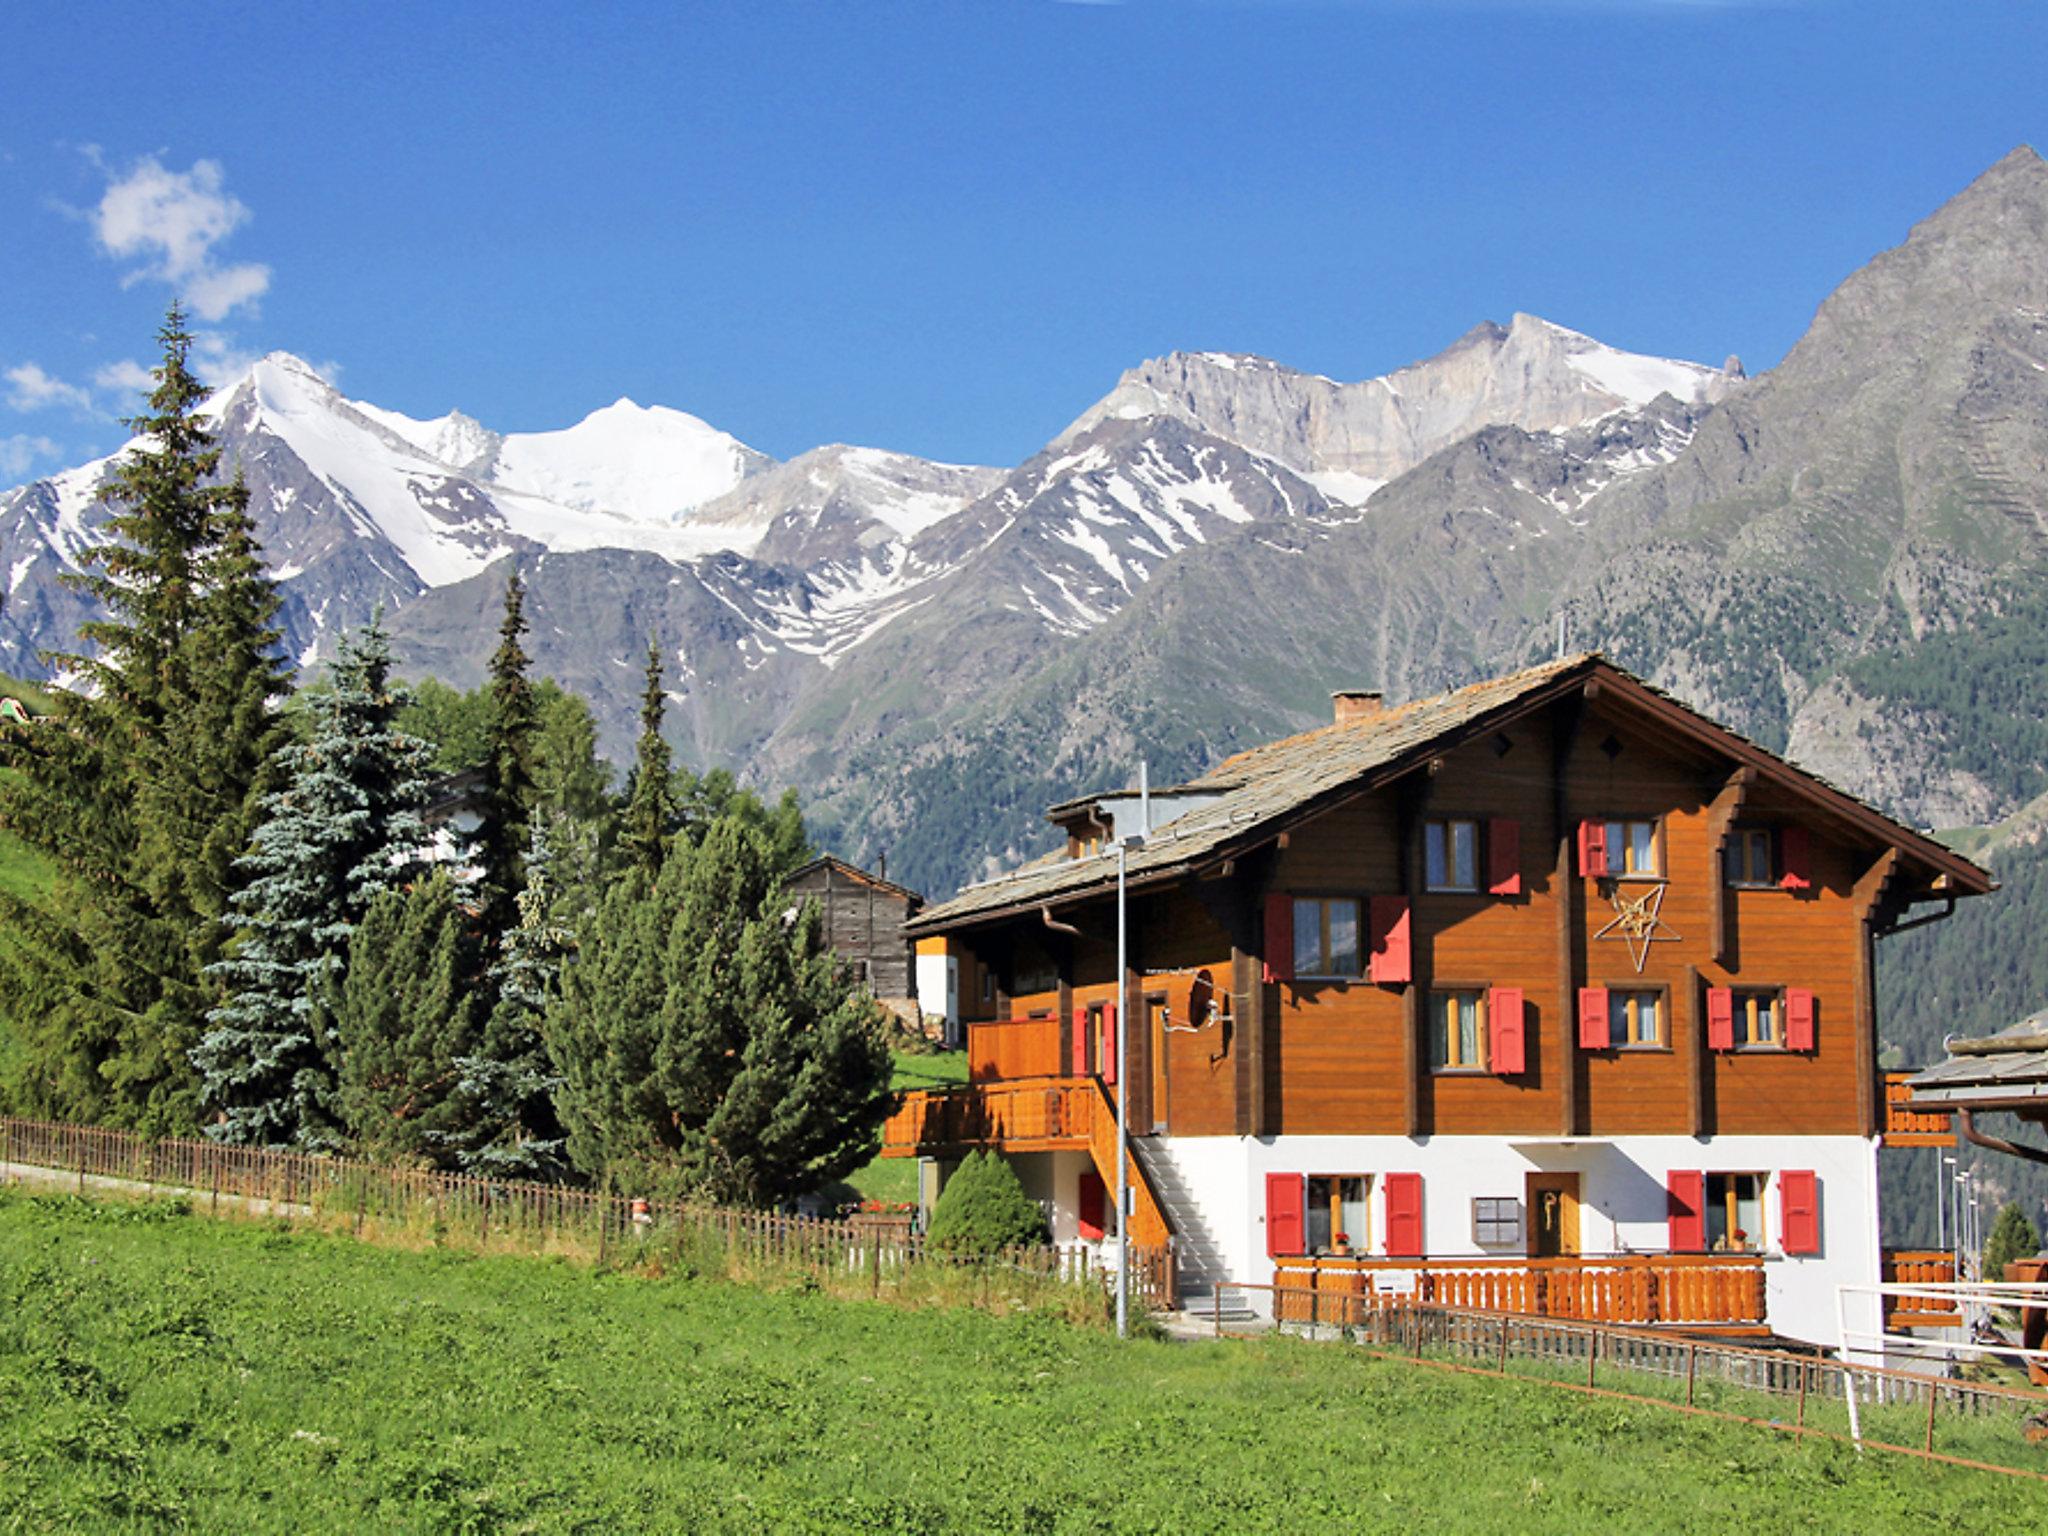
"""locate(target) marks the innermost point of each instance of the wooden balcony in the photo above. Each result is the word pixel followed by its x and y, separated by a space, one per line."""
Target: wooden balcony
pixel 1919 1267
pixel 1906 1127
pixel 1043 1114
pixel 1719 1293
pixel 1009 1048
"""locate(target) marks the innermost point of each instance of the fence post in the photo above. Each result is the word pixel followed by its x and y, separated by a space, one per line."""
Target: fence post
pixel 1503 1346
pixel 1216 1307
pixel 1592 1354
pixel 1692 1354
pixel 1933 1396
pixel 1800 1422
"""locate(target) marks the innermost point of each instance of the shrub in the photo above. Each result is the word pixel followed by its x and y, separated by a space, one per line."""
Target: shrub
pixel 983 1209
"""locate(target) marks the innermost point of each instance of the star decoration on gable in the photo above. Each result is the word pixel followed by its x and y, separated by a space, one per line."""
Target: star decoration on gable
pixel 1638 923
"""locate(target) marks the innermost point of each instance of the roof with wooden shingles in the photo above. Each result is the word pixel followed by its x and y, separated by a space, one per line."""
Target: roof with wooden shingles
pixel 1267 789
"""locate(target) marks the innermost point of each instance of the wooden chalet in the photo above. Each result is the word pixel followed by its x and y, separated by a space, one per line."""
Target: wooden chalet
pixel 865 915
pixel 1547 994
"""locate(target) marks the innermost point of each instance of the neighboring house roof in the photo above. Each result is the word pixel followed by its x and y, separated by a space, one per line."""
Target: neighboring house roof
pixel 1267 788
pixel 861 876
pixel 2008 1070
pixel 452 794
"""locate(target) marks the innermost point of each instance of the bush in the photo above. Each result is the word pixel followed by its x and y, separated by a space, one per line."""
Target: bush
pixel 983 1209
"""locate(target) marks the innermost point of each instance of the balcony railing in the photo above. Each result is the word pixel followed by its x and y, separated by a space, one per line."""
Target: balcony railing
pixel 1006 1048
pixel 1717 1291
pixel 1905 1127
pixel 1919 1267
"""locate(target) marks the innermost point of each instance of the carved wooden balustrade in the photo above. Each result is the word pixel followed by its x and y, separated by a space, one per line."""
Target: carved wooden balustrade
pixel 1907 1127
pixel 1719 1291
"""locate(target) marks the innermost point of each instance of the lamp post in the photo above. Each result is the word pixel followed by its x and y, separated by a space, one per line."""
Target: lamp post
pixel 1124 843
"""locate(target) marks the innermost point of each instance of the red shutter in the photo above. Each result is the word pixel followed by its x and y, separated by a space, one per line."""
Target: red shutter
pixel 1390 961
pixel 1504 1050
pixel 1503 858
pixel 1798 1019
pixel 1720 1019
pixel 1799 1210
pixel 1091 1205
pixel 1286 1230
pixel 1686 1208
pixel 1404 1215
pixel 1795 859
pixel 1279 936
pixel 1595 1032
pixel 1077 1045
pixel 1592 847
pixel 1110 1054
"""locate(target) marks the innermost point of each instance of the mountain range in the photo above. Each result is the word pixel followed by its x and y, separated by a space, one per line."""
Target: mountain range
pixel 933 652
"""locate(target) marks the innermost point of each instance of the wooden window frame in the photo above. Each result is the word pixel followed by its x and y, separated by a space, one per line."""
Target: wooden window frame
pixel 1741 832
pixel 1443 825
pixel 1437 992
pixel 1358 1244
pixel 1480 1223
pixel 1617 854
pixel 1323 900
pixel 1776 1044
pixel 1662 991
pixel 1756 1243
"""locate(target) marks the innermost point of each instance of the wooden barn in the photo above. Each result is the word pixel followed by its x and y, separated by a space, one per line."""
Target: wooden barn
pixel 866 915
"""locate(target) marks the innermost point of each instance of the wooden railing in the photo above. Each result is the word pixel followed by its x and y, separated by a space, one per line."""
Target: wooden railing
pixel 1907 1127
pixel 1919 1267
pixel 1698 1290
pixel 1007 1048
pixel 1035 1115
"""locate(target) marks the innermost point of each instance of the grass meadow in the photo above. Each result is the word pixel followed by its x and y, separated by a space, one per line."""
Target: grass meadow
pixel 162 1371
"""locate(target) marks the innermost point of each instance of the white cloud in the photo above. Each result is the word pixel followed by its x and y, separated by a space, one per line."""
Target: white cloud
pixel 127 377
pixel 20 451
pixel 31 389
pixel 172 221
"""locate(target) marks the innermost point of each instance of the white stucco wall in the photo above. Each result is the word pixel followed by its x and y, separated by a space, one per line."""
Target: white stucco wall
pixel 1622 1193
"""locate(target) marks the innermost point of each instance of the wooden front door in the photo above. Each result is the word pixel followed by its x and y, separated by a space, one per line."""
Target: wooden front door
pixel 1553 1215
pixel 1155 1011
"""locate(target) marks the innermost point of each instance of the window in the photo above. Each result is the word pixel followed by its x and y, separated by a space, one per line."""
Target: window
pixel 1457 1030
pixel 1749 856
pixel 1735 1212
pixel 1337 1209
pixel 1635 1018
pixel 1451 855
pixel 1757 1021
pixel 1326 938
pixel 1497 1223
pixel 1632 849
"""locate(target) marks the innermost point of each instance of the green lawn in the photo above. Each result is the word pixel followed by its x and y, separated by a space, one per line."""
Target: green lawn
pixel 895 1178
pixel 160 1371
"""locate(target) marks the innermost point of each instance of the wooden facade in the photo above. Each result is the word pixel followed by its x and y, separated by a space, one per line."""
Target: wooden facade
pixel 865 918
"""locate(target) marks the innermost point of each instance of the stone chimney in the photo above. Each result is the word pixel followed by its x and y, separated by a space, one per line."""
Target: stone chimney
pixel 1357 704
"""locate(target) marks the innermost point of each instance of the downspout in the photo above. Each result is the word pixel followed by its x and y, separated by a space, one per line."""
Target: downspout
pixel 1977 1138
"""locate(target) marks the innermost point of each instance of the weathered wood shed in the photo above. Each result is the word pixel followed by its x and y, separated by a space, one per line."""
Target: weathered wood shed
pixel 864 914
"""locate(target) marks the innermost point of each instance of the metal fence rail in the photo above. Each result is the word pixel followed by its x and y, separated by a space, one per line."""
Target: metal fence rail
pixel 362 1194
pixel 1988 1425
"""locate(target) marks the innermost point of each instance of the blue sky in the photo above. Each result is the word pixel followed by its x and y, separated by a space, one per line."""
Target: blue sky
pixel 946 229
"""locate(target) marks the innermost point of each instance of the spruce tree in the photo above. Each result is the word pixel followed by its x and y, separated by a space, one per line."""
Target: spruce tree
pixel 649 814
pixel 345 827
pixel 509 1126
pixel 143 787
pixel 405 1012
pixel 2012 1237
pixel 984 1209
pixel 710 1044
pixel 506 797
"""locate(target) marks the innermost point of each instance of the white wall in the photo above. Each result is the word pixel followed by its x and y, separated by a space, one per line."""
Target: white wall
pixel 1622 1193
pixel 938 990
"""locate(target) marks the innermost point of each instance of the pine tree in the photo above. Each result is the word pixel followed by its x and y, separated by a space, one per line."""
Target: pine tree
pixel 345 828
pixel 506 797
pixel 142 789
pixel 709 1044
pixel 649 815
pixel 510 1127
pixel 405 1012
pixel 2012 1237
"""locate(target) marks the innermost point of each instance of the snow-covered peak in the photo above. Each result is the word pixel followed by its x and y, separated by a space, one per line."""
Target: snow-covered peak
pixel 647 463
pixel 1633 378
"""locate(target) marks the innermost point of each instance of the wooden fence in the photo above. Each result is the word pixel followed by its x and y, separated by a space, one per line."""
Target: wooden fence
pixel 362 1193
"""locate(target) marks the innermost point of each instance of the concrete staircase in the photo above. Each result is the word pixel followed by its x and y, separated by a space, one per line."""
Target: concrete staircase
pixel 1198 1258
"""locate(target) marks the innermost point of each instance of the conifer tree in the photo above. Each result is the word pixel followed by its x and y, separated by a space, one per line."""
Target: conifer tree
pixel 708 1042
pixel 649 814
pixel 510 1128
pixel 506 798
pixel 142 788
pixel 405 1012
pixel 345 827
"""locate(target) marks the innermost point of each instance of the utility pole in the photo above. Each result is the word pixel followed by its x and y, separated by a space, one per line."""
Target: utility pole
pixel 1124 843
